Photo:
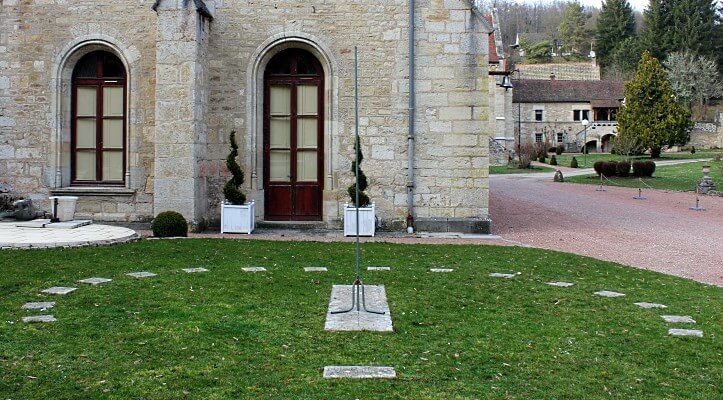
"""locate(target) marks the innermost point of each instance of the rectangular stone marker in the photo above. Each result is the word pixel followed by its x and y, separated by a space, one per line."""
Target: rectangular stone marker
pixel 607 293
pixel 315 269
pixel 359 372
pixel 254 269
pixel 501 275
pixel 95 281
pixel 142 274
pixel 378 269
pixel 685 332
pixel 38 305
pixel 194 270
pixel 678 319
pixel 560 284
pixel 376 300
pixel 650 305
pixel 39 318
pixel 59 290
pixel 441 270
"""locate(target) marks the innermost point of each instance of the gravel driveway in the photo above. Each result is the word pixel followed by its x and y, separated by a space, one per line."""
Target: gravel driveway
pixel 660 233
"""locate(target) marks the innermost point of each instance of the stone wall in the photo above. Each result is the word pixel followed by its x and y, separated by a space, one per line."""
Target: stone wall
pixel 39 43
pixel 189 88
pixel 707 135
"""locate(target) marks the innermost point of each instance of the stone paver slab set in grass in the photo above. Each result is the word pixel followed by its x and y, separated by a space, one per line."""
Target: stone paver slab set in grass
pixel 359 372
pixel 254 269
pixel 194 270
pixel 39 318
pixel 38 305
pixel 95 281
pixel 142 274
pixel 59 290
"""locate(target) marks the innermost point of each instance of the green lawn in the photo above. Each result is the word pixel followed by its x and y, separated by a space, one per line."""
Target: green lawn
pixel 504 169
pixel 463 335
pixel 682 177
pixel 565 158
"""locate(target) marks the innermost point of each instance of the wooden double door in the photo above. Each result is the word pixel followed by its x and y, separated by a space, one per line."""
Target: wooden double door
pixel 293 137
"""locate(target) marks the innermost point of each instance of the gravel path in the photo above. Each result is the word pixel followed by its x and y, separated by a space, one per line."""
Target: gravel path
pixel 659 234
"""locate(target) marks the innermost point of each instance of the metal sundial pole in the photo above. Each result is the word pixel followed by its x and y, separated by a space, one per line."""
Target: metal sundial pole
pixel 358 298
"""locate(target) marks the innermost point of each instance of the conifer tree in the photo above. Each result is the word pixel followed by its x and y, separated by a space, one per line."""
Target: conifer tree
pixel 231 188
pixel 651 116
pixel 615 24
pixel 363 184
pixel 572 28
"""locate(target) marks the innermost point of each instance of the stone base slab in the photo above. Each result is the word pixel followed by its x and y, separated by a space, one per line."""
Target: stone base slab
pixel 376 300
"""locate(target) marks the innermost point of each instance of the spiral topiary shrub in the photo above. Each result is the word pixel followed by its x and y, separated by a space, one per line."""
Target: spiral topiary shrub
pixel 623 169
pixel 364 200
pixel 169 224
pixel 231 188
pixel 573 163
pixel 553 160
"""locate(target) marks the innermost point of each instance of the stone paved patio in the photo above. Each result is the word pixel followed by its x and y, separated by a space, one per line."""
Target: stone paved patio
pixel 14 237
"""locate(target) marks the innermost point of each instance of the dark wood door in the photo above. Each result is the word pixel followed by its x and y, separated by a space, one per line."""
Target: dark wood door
pixel 293 139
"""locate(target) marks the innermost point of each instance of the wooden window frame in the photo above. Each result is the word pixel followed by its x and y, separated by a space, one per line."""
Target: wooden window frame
pixel 99 83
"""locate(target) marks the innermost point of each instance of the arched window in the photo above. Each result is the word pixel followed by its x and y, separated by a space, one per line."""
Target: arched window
pixel 99 120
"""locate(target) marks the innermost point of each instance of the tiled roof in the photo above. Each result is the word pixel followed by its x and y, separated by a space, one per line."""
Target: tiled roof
pixel 494 57
pixel 559 91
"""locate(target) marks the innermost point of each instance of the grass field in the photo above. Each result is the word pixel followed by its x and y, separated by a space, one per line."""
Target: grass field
pixel 681 177
pixel 462 335
pixel 504 169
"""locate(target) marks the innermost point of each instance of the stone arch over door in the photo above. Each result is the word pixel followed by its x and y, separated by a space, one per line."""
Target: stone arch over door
pixel 255 112
pixel 61 89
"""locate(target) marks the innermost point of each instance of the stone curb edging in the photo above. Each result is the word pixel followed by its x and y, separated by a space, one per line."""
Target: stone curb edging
pixel 68 245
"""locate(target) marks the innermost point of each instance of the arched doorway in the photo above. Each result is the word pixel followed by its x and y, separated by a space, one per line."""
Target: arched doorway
pixel 293 137
pixel 607 143
pixel 98 123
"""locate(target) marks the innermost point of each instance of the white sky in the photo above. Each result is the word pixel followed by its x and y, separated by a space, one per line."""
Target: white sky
pixel 638 5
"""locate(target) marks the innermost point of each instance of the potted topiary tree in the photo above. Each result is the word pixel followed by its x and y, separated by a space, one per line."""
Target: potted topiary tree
pixel 367 216
pixel 237 216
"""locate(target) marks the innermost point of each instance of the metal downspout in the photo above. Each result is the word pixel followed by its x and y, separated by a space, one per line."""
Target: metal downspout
pixel 410 136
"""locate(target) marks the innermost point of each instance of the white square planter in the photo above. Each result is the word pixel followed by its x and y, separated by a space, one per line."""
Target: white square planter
pixel 238 219
pixel 367 220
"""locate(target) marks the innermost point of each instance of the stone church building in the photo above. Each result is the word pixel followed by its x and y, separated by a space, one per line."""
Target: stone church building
pixel 129 105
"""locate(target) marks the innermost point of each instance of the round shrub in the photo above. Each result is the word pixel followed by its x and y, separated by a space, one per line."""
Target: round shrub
pixel 610 168
pixel 649 168
pixel 559 149
pixel 598 167
pixel 553 160
pixel 169 224
pixel 542 158
pixel 573 163
pixel 623 169
pixel 692 149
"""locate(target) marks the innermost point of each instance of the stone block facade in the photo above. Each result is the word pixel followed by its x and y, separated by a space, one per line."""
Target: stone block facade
pixel 707 135
pixel 195 75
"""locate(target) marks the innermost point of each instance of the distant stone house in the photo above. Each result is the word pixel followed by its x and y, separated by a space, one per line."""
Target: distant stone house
pixel 129 106
pixel 552 111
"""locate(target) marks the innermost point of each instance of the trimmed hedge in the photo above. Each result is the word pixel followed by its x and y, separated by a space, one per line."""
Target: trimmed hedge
pixel 553 160
pixel 598 167
pixel 610 168
pixel 623 169
pixel 643 168
pixel 169 224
